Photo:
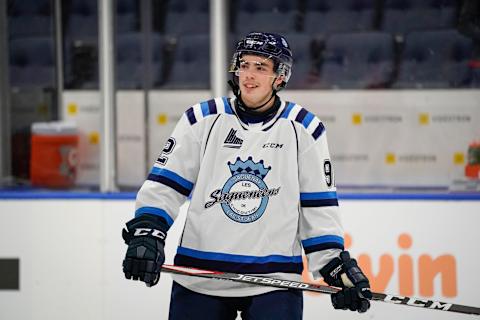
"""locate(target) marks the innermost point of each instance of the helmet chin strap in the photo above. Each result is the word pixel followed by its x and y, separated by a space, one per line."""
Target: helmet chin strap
pixel 241 104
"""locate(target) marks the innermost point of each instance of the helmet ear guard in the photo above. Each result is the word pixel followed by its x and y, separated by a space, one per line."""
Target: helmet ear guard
pixel 285 72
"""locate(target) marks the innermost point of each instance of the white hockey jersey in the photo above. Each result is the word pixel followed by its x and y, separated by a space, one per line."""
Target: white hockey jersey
pixel 260 193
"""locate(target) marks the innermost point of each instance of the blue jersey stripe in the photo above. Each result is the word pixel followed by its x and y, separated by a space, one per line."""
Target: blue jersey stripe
pixel 238 263
pixel 308 119
pixel 212 106
pixel 172 176
pixel 205 109
pixel 172 180
pixel 318 203
pixel 237 258
pixel 322 239
pixel 191 116
pixel 323 243
pixel 228 108
pixel 155 211
pixel 287 110
pixel 318 131
pixel 208 107
pixel 318 199
pixel 244 268
pixel 169 183
pixel 304 117
pixel 318 195
pixel 324 246
pixel 301 115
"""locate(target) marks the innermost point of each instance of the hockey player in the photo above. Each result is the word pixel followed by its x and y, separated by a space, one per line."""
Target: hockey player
pixel 264 190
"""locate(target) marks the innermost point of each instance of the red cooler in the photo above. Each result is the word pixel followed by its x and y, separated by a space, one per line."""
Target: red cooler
pixel 53 160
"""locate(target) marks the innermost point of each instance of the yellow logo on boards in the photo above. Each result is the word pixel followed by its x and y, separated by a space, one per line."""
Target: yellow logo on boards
pixel 162 119
pixel 459 158
pixel 94 137
pixel 390 158
pixel 357 118
pixel 424 118
pixel 72 109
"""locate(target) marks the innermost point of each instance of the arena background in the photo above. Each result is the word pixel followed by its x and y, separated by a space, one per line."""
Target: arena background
pixel 396 83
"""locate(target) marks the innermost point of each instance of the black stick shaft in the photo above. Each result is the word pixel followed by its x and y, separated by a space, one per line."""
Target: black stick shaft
pixel 287 284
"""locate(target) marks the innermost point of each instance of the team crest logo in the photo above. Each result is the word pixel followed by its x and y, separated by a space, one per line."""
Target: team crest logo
pixel 244 197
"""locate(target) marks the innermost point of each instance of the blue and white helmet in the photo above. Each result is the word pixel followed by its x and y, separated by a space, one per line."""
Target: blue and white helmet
pixel 269 45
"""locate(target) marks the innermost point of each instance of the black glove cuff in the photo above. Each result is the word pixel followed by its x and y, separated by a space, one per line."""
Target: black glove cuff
pixel 342 264
pixel 331 272
pixel 146 225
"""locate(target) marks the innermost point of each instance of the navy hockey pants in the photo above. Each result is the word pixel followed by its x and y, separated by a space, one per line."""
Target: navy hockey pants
pixel 279 305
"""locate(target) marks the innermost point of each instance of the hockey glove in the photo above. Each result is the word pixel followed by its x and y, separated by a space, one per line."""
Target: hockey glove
pixel 343 272
pixel 145 237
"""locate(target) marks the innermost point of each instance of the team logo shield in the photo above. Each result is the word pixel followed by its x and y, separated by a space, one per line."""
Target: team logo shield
pixel 245 195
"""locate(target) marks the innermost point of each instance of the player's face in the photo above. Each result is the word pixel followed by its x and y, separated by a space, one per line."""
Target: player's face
pixel 255 78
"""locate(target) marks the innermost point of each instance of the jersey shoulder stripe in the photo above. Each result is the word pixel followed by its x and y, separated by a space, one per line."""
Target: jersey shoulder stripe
pixel 287 110
pixel 319 129
pixel 308 120
pixel 208 108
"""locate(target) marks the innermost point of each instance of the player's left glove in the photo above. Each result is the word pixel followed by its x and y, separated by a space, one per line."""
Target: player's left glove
pixel 343 272
pixel 145 237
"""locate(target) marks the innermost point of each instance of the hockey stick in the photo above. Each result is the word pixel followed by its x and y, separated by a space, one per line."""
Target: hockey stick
pixel 286 284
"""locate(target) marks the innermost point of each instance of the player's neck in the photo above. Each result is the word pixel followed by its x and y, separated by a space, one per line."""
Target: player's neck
pixel 263 114
pixel 266 105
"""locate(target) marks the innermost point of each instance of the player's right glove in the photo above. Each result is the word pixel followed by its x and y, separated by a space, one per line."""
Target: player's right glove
pixel 343 272
pixel 145 237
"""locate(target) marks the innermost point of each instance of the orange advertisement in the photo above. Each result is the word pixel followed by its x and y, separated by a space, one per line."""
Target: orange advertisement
pixel 414 277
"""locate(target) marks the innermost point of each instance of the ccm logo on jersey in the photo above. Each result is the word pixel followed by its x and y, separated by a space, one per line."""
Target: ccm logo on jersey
pixel 272 145
pixel 141 232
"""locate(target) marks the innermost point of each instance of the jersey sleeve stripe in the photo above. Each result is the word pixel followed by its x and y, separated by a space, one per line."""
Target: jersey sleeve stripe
pixel 171 179
pixel 318 131
pixel 301 115
pixel 287 110
pixel 322 239
pixel 308 119
pixel 170 183
pixel 305 118
pixel 226 104
pixel 238 263
pixel 319 203
pixel 155 211
pixel 191 116
pixel 205 109
pixel 318 195
pixel 318 199
pixel 212 106
pixel 323 243
pixel 208 107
